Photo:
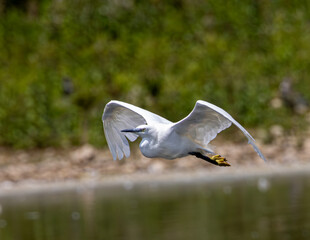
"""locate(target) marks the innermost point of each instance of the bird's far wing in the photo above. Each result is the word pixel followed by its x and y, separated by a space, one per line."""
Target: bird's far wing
pixel 204 123
pixel 117 116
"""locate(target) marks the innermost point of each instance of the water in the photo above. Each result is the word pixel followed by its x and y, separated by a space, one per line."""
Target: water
pixel 260 208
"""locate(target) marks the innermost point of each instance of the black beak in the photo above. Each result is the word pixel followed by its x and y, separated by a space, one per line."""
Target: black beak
pixel 131 130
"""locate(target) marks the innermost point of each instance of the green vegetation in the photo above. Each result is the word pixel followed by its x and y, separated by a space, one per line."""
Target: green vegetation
pixel 161 55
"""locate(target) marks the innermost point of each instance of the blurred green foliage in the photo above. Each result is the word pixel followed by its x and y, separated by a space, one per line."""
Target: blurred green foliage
pixel 160 55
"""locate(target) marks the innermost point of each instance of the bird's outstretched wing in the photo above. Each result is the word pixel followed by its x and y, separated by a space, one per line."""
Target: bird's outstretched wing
pixel 206 121
pixel 117 116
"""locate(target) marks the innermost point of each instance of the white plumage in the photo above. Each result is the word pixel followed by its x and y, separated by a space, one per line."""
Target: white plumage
pixel 161 137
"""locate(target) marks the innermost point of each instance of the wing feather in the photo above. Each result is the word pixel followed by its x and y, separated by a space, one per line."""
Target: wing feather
pixel 207 120
pixel 111 142
pixel 117 116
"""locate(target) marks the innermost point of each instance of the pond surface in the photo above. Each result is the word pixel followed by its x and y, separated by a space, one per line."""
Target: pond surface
pixel 256 208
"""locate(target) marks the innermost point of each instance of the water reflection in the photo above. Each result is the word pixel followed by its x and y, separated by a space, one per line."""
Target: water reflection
pixel 262 208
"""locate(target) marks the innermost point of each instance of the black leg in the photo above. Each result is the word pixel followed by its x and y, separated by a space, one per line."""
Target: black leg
pixel 199 155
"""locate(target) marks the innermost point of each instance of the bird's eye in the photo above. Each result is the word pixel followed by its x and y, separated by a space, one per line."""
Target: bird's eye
pixel 143 130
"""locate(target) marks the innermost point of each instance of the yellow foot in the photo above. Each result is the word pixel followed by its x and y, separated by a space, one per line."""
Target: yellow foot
pixel 221 161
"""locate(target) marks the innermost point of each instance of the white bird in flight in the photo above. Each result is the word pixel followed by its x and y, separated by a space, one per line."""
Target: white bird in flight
pixel 164 139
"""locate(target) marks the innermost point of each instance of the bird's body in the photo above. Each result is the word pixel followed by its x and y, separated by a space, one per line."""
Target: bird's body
pixel 164 139
pixel 161 144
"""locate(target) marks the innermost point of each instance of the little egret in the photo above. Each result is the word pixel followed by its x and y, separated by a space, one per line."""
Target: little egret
pixel 164 139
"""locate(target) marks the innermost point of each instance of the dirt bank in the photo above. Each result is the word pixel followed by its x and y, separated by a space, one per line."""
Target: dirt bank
pixel 89 163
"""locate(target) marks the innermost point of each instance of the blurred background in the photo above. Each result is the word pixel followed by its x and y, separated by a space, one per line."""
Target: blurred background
pixel 61 61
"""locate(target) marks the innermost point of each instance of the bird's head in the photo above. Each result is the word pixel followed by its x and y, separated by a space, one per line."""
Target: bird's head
pixel 142 130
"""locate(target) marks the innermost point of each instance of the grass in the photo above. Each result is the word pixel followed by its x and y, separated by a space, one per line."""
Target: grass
pixel 161 55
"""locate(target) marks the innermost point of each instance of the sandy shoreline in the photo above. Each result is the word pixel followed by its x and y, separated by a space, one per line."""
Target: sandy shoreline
pixel 88 167
pixel 138 179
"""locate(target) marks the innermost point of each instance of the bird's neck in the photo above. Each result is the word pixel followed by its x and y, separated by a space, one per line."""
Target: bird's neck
pixel 147 146
pixel 149 143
